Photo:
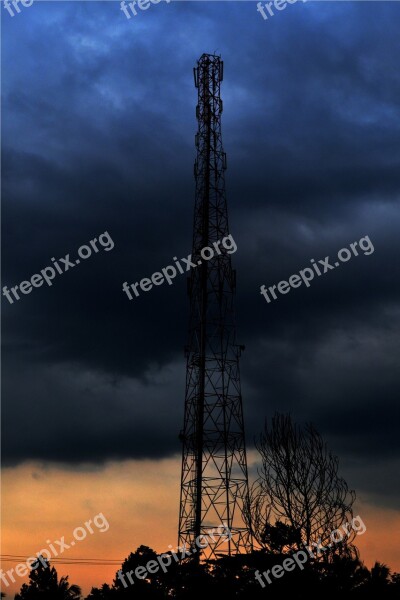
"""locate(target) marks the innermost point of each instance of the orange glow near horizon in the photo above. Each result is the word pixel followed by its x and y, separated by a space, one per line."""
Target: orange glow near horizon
pixel 139 500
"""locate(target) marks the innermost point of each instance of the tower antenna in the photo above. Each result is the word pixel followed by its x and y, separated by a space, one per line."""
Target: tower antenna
pixel 214 478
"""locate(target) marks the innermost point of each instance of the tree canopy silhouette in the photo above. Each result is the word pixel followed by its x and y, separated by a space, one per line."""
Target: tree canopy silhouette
pixel 44 585
pixel 343 577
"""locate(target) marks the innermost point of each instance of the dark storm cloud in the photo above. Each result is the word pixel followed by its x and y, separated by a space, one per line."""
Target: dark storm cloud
pixel 93 417
pixel 98 136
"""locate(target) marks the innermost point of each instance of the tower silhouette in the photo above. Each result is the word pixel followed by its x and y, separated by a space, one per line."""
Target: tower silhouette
pixel 214 479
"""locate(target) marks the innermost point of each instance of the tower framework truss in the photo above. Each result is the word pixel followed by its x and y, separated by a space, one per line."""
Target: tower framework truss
pixel 214 479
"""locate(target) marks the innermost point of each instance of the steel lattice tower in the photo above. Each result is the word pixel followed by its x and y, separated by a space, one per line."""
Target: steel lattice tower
pixel 214 481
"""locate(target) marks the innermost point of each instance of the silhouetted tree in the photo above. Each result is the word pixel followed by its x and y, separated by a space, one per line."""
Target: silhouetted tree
pixel 103 593
pixel 280 536
pixel 378 579
pixel 380 574
pixel 150 586
pixel 396 580
pixel 155 584
pixel 44 585
pixel 298 491
pixel 234 577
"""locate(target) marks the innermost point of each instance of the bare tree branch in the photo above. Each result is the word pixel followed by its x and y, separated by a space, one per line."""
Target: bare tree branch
pixel 299 496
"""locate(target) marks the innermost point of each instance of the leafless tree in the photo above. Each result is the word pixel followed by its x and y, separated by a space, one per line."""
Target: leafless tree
pixel 298 497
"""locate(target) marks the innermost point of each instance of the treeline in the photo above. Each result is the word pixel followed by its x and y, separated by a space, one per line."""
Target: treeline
pixel 337 576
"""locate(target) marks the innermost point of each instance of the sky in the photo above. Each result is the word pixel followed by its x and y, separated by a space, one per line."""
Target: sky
pixel 98 136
